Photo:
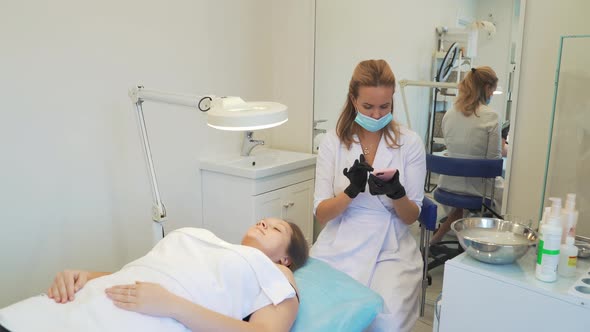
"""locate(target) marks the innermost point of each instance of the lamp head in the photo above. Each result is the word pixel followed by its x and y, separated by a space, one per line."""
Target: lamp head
pixel 225 113
pixel 233 113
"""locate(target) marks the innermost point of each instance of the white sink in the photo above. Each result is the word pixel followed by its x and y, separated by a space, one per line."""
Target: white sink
pixel 261 163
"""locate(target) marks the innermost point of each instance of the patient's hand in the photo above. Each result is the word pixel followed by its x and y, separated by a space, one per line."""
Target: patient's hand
pixel 66 284
pixel 144 297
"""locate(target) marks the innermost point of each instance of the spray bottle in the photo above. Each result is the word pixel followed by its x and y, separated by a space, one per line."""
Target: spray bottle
pixel 549 244
pixel 569 218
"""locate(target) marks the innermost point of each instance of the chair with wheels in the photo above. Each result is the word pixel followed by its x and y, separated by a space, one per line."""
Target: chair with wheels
pixel 427 221
pixel 477 168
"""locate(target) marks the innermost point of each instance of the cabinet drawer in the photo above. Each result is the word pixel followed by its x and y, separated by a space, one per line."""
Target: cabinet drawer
pixel 250 187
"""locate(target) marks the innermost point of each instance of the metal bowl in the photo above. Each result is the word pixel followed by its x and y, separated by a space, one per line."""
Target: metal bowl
pixel 494 241
pixel 583 249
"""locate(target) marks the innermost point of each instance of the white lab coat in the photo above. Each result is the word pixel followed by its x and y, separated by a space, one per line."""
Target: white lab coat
pixel 471 137
pixel 368 241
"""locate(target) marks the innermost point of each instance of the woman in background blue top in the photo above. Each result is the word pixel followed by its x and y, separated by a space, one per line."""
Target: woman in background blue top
pixel 366 232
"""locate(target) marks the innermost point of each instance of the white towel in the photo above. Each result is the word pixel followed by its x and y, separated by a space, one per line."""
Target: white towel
pixel 233 280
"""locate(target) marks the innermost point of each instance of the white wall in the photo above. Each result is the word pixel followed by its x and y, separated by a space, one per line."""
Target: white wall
pixel 494 51
pixel 545 22
pixel 293 58
pixel 74 185
pixel 401 32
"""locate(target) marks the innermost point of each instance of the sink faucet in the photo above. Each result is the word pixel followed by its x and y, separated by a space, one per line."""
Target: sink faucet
pixel 250 143
pixel 316 130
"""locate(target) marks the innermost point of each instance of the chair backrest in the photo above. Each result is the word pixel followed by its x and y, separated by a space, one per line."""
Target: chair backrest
pixel 477 168
pixel 428 214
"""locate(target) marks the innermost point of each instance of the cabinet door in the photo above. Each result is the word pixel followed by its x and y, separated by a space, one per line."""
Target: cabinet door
pixel 299 207
pixel 269 204
pixel 293 203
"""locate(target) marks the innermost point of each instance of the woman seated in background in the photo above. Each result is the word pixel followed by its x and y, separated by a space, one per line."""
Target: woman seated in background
pixel 191 280
pixel 471 130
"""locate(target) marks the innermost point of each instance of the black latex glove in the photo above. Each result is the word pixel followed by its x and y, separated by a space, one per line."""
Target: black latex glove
pixel 392 188
pixel 357 174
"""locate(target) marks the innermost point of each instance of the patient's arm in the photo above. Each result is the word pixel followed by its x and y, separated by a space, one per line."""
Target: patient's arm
pixel 271 318
pixel 279 317
pixel 68 282
pixel 153 299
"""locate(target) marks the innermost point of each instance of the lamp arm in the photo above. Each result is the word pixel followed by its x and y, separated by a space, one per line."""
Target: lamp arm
pixel 202 103
pixel 138 95
pixel 406 106
pixel 432 84
pixel 158 208
pixel 404 83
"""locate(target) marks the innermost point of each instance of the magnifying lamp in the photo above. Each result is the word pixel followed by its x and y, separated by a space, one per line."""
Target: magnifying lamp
pixel 224 113
pixel 444 70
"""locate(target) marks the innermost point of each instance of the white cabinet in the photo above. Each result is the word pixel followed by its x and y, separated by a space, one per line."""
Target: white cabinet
pixel 292 203
pixel 234 202
pixel 484 297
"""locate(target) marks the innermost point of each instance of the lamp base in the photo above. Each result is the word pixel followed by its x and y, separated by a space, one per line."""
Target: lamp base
pixel 157 231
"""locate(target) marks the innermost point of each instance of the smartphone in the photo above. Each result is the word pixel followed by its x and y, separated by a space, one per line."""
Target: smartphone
pixel 384 174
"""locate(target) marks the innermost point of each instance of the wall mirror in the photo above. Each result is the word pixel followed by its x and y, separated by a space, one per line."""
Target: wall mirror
pixel 568 154
pixel 405 34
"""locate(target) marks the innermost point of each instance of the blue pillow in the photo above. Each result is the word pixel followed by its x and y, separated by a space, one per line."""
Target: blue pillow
pixel 332 301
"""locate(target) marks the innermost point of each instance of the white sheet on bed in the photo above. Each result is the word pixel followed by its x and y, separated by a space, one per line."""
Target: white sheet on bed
pixel 231 279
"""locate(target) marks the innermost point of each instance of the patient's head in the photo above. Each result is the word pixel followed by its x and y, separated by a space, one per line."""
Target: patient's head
pixel 283 242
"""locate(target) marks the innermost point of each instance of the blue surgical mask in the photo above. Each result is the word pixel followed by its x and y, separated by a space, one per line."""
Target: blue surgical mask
pixel 371 124
pixel 488 100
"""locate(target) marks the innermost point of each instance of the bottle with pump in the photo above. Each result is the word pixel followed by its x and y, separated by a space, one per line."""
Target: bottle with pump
pixel 568 258
pixel 569 218
pixel 545 216
pixel 543 221
pixel 549 244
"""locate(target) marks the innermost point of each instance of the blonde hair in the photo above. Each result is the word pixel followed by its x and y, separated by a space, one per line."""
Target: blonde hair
pixel 472 89
pixel 368 73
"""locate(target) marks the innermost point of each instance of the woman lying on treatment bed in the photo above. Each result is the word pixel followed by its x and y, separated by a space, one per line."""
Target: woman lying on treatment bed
pixel 191 280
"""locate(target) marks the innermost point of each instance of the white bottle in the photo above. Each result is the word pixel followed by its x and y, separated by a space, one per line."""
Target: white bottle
pixel 545 216
pixel 549 244
pixel 543 221
pixel 569 218
pixel 568 258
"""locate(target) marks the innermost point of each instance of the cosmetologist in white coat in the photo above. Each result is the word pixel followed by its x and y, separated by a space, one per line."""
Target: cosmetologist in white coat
pixel 366 232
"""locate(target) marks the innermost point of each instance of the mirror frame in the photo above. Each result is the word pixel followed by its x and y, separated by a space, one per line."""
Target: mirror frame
pixel 516 83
